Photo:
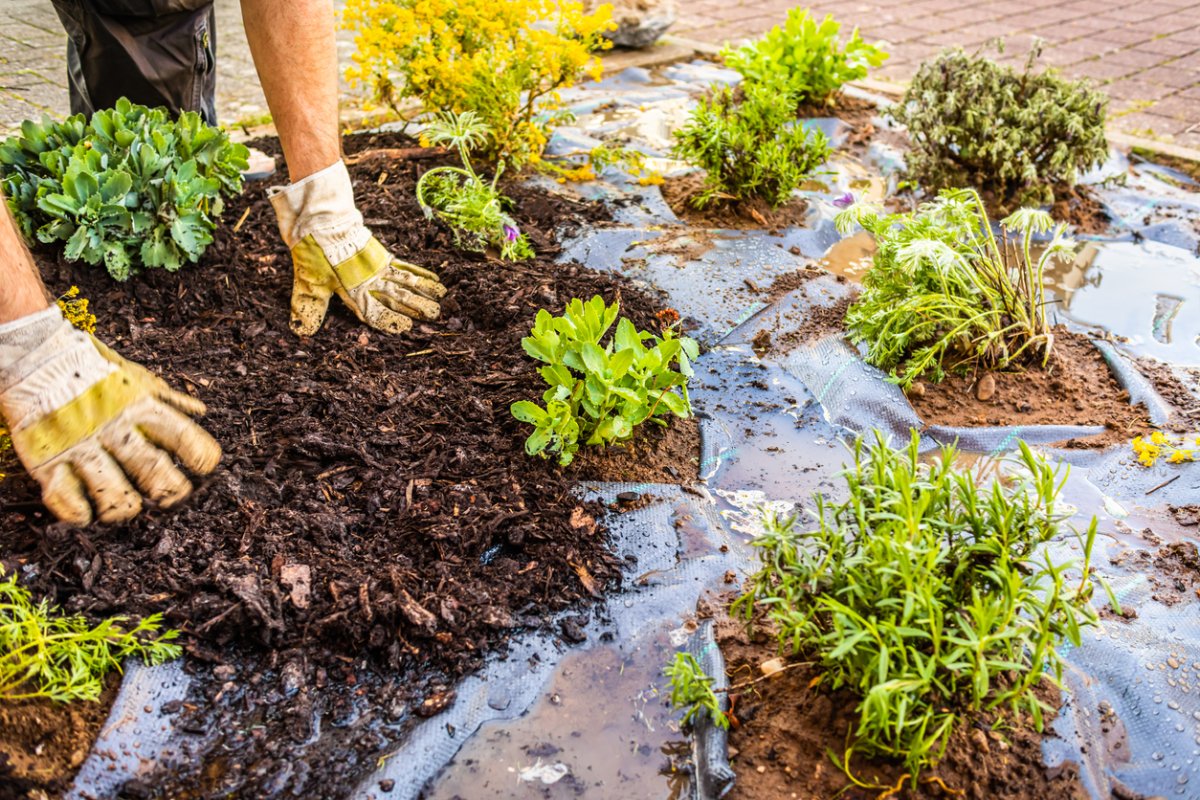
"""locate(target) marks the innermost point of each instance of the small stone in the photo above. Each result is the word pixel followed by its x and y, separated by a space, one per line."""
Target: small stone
pixel 387 786
pixel 986 388
pixel 640 23
pixel 772 666
pixel 979 740
pixel 627 497
pixel 917 389
pixel 760 769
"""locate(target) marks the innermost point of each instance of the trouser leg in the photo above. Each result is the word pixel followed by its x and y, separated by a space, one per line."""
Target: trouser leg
pixel 155 52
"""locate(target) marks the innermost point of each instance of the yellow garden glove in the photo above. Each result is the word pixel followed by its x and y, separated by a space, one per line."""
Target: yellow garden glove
pixel 334 253
pixel 85 422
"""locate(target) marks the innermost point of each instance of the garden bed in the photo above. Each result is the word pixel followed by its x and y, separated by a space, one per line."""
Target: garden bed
pixel 787 727
pixel 375 506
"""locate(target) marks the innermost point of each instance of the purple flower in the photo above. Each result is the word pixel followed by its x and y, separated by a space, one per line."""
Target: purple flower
pixel 844 201
pixel 511 233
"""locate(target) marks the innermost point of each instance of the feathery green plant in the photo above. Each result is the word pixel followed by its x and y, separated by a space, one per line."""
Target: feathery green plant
pixel 804 58
pixel 44 653
pixel 946 292
pixel 752 147
pixel 973 122
pixel 473 208
pixel 691 690
pixel 927 592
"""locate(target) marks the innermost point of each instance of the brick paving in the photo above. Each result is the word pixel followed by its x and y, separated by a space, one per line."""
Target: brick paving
pixel 1145 55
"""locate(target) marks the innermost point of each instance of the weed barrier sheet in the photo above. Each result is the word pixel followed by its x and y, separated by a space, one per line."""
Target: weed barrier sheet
pixel 772 430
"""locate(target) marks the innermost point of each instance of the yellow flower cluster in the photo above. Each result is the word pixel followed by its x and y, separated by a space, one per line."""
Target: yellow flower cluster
pixel 506 60
pixel 75 309
pixel 1150 450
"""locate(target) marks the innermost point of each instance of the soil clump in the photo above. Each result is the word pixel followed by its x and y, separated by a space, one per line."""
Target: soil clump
pixel 755 213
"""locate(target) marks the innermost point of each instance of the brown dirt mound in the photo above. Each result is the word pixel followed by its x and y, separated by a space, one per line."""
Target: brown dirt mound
pixel 375 527
pixel 731 215
pixel 1075 388
pixel 43 743
pixel 787 728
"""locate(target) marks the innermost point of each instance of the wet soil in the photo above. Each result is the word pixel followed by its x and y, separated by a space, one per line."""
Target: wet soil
pixel 1075 388
pixel 1173 570
pixel 1184 401
pixel 375 528
pixel 680 194
pixel 1187 516
pixel 1081 209
pixel 42 743
pixel 787 726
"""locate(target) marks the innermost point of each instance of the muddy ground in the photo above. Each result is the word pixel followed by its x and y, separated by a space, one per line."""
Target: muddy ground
pixel 374 511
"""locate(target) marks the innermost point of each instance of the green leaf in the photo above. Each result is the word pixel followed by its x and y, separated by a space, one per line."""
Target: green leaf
pixel 526 411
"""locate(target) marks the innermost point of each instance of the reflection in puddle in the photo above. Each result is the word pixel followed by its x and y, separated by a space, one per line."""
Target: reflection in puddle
pixel 603 729
pixel 851 257
pixel 1148 293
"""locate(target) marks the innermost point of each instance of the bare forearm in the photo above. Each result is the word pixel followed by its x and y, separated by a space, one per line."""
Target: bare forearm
pixel 295 53
pixel 21 290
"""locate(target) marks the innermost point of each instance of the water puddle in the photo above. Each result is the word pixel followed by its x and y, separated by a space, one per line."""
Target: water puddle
pixel 602 729
pixel 1146 294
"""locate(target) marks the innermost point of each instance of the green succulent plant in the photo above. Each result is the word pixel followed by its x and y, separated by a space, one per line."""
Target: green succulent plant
pixel 599 393
pixel 129 188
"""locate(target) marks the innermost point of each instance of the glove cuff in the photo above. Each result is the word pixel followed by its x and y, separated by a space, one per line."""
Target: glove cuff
pixel 57 364
pixel 321 206
pixel 21 335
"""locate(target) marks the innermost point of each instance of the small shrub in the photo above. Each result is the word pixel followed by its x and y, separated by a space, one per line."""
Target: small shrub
pixel 749 148
pixel 505 60
pixel 927 594
pixel 599 393
pixel 44 653
pixel 976 123
pixel 805 59
pixel 131 187
pixel 472 207
pixel 945 292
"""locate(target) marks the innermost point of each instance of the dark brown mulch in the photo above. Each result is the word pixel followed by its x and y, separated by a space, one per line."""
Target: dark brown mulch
pixel 374 508
pixel 1075 388
pixel 787 726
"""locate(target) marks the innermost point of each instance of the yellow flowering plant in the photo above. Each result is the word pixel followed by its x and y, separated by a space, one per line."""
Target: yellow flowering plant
pixel 75 310
pixel 505 60
pixel 1158 445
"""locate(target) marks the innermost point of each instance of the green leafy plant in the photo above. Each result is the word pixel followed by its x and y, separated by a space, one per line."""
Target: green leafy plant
pixel 973 122
pixel 691 690
pixel 44 653
pixel 805 59
pixel 600 392
pixel 750 147
pixel 130 187
pixel 472 207
pixel 946 292
pixel 928 592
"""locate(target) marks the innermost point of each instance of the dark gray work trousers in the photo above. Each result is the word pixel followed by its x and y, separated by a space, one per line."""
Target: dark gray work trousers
pixel 155 52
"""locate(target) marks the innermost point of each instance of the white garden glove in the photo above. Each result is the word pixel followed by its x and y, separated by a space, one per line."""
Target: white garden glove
pixel 334 253
pixel 85 422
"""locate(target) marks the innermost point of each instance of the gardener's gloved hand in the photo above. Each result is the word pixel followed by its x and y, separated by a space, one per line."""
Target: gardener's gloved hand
pixel 85 422
pixel 334 253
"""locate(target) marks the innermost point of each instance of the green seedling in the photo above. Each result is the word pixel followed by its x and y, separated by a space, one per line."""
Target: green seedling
pixel 473 208
pixel 600 392
pixel 805 59
pixel 930 593
pixel 691 690
pixel 973 122
pixel 46 654
pixel 750 147
pixel 945 292
pixel 130 188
